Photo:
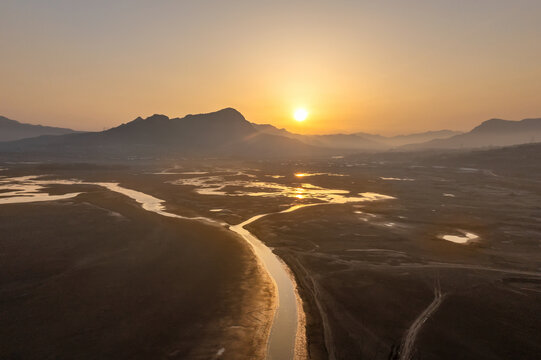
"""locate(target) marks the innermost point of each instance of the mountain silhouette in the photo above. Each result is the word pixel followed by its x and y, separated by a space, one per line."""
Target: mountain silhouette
pixel 490 133
pixel 400 140
pixel 11 130
pixel 358 141
pixel 227 133
pixel 222 133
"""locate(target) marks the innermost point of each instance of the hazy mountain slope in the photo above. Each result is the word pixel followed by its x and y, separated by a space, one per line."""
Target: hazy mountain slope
pixel 523 160
pixel 333 141
pixel 222 133
pixel 358 141
pixel 272 130
pixel 494 132
pixel 11 130
pixel 400 140
pixel 345 141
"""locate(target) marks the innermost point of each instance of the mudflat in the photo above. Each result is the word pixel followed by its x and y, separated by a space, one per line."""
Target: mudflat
pixel 99 277
pixel 378 279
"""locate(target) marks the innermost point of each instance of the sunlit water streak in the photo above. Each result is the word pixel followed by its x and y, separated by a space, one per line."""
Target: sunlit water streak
pixel 457 239
pixel 396 179
pixel 285 330
pixel 25 189
pixel 167 172
pixel 307 174
pixel 228 185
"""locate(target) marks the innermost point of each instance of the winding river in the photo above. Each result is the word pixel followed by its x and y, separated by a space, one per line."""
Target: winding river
pixel 286 331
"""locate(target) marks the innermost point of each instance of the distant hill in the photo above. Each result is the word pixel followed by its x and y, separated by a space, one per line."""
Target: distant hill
pixel 358 141
pixel 333 141
pixel 491 133
pixel 400 140
pixel 518 160
pixel 11 130
pixel 222 133
pixel 349 142
pixel 345 141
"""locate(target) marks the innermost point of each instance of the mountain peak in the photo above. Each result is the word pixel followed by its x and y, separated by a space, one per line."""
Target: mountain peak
pixel 150 119
pixel 228 113
pixel 230 110
pixel 6 120
pixel 158 117
pixel 499 125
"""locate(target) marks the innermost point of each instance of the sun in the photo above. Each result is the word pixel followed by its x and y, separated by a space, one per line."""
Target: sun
pixel 300 114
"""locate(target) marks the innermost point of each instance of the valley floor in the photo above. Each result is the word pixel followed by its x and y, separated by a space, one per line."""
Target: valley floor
pixel 98 275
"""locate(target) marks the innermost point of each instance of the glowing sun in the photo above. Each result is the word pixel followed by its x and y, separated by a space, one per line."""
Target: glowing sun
pixel 300 114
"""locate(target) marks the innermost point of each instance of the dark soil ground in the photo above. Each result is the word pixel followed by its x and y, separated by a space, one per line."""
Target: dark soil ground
pixel 97 277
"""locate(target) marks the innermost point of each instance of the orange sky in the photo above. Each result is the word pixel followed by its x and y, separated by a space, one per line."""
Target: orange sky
pixel 386 67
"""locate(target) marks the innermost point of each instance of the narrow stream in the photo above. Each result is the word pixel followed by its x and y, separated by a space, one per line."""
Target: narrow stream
pixel 285 329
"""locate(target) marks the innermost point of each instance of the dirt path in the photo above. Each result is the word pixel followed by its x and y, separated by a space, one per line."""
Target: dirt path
pixel 408 343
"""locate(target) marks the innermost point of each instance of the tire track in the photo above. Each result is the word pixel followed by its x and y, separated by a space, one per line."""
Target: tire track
pixel 408 343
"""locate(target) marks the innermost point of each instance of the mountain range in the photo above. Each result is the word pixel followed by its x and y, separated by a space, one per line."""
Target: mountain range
pixel 222 133
pixel 227 133
pixel 359 141
pixel 11 130
pixel 491 133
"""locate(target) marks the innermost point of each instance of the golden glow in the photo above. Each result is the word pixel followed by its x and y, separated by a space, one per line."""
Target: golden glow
pixel 300 114
pixel 351 71
pixel 299 193
pixel 300 174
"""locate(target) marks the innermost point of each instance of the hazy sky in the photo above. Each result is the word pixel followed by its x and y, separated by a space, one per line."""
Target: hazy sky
pixel 377 66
